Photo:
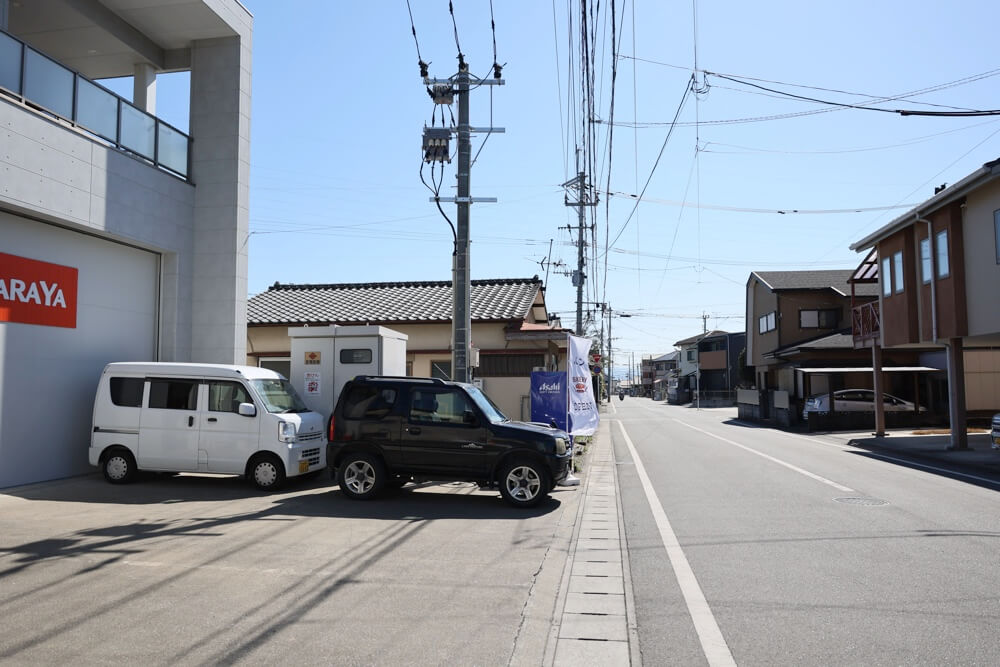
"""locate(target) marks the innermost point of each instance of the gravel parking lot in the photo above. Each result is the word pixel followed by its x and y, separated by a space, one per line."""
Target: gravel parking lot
pixel 191 569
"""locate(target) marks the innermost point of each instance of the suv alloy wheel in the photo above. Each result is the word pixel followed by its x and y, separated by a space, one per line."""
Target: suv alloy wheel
pixel 360 476
pixel 523 483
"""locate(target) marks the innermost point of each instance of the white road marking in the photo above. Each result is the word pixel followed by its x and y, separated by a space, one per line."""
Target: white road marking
pixel 713 644
pixel 801 471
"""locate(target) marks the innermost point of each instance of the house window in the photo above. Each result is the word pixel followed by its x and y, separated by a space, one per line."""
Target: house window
pixel 897 271
pixel 826 318
pixel 508 365
pixel 767 322
pixel 941 241
pixel 925 260
pixel 690 355
pixel 281 365
pixel 441 370
pixel 885 277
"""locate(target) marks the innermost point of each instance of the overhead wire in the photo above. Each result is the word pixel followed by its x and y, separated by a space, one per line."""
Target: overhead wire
pixel 680 107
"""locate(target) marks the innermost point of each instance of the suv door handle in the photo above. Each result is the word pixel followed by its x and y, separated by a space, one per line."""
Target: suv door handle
pixel 413 430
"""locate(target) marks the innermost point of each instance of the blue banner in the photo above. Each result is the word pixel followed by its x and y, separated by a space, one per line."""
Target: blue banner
pixel 548 398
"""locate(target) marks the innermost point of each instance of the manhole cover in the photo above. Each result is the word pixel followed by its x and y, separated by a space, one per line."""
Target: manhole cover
pixel 862 501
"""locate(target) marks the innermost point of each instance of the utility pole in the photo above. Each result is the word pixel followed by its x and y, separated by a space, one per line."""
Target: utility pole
pixel 583 199
pixel 461 284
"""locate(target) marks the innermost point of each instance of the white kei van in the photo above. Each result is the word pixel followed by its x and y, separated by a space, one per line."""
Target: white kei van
pixel 203 418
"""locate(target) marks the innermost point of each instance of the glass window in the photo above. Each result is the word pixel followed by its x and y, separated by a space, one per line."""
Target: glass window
pixel 489 408
pixel 173 394
pixel 441 370
pixel 885 277
pixel 690 355
pixel 447 406
pixel 278 395
pixel 925 260
pixel 761 325
pixel 127 392
pixel 96 109
pixel 772 321
pixel 137 131
pixel 172 149
pixel 359 356
pixel 281 365
pixel 808 319
pixel 897 272
pixel 225 396
pixel 941 241
pixel 48 84
pixel 10 63
pixel 369 402
pixel 508 365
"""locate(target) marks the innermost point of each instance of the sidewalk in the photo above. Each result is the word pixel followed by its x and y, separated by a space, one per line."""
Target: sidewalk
pixel 594 621
pixel 979 457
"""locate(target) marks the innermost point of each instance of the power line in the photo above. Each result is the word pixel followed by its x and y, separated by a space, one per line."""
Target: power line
pixel 687 89
pixel 739 209
pixel 861 107
pixel 413 28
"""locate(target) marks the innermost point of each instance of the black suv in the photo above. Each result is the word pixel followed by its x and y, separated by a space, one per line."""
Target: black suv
pixel 387 431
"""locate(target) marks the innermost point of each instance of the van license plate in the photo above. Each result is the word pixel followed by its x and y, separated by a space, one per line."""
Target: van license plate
pixel 303 466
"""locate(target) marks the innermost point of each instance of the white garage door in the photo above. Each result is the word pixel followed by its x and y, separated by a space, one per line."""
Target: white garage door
pixel 48 373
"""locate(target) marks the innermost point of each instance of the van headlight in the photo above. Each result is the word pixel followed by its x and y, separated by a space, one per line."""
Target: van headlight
pixel 560 446
pixel 286 431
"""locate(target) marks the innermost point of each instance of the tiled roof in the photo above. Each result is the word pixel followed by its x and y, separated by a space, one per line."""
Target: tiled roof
pixel 815 280
pixel 378 303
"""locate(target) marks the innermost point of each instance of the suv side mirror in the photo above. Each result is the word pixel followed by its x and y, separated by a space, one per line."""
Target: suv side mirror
pixel 469 417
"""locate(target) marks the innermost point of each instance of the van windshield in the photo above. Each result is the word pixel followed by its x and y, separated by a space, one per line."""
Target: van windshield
pixel 278 395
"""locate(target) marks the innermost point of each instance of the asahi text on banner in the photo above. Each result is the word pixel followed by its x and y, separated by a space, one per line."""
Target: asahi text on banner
pixel 35 292
pixel 583 415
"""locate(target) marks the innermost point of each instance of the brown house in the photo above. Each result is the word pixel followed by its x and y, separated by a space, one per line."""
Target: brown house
pixel 938 272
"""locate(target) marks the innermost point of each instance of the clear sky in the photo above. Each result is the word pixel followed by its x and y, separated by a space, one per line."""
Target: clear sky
pixel 339 107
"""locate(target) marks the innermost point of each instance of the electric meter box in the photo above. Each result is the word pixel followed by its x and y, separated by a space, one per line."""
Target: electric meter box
pixel 325 358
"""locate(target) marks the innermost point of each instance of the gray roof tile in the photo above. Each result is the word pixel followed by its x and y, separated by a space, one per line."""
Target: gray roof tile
pixel 430 301
pixel 815 280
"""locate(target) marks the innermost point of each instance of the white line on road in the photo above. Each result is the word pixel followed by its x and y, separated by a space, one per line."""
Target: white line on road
pixel 713 644
pixel 801 471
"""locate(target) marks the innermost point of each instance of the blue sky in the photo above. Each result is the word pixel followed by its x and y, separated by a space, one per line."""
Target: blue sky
pixel 339 107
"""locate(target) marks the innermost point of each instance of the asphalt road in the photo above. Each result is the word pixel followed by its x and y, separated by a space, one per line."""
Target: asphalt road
pixel 799 550
pixel 201 570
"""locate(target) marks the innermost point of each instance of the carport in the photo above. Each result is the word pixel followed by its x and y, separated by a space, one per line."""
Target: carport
pixel 809 373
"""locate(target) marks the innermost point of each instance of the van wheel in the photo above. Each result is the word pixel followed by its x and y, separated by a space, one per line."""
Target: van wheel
pixel 361 476
pixel 266 472
pixel 523 483
pixel 119 466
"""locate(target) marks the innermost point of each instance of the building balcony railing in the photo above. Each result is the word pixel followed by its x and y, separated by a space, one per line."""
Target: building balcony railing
pixel 43 83
pixel 865 324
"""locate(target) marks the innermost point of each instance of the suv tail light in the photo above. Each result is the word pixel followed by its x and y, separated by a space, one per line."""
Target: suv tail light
pixel 329 433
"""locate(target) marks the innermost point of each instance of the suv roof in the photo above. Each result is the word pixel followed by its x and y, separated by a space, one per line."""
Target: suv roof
pixel 402 378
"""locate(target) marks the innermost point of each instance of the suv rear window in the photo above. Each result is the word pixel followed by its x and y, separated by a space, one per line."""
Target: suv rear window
pixel 369 402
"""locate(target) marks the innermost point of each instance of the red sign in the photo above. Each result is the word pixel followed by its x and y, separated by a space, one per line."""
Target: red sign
pixel 34 292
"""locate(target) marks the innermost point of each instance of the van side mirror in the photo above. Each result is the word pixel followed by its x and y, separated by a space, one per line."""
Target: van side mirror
pixel 248 410
pixel 469 417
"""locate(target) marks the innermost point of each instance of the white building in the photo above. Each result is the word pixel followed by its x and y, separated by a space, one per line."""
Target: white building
pixel 121 238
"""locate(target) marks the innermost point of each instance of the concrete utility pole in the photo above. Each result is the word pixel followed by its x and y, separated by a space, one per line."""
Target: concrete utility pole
pixel 583 199
pixel 461 284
